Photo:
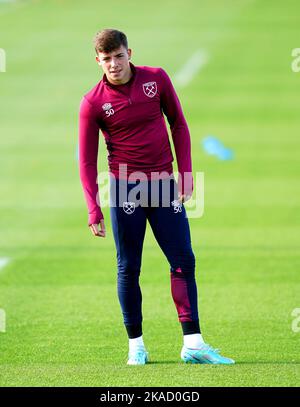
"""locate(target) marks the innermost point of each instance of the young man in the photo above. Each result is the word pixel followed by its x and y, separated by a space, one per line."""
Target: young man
pixel 128 105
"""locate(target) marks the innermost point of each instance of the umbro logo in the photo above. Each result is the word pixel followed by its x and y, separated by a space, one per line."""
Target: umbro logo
pixel 177 206
pixel 107 107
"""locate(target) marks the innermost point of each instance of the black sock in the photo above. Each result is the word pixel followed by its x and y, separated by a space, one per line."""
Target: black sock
pixel 134 331
pixel 190 327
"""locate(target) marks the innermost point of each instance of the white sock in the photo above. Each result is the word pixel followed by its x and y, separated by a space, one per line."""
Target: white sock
pixel 193 341
pixel 136 343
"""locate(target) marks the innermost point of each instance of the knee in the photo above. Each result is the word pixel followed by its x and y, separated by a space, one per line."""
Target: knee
pixel 185 264
pixel 128 269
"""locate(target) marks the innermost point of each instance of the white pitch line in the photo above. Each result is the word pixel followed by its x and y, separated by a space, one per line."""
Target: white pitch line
pixel 190 68
pixel 3 262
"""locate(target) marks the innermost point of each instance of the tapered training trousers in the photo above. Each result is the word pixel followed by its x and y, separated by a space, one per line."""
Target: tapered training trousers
pixel 132 204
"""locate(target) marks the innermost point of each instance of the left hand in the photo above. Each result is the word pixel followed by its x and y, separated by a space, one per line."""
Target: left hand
pixel 183 198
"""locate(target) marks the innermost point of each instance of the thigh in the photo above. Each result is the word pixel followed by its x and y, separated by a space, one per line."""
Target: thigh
pixel 129 226
pixel 171 229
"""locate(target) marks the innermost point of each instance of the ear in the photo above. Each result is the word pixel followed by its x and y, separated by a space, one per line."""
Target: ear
pixel 98 60
pixel 129 52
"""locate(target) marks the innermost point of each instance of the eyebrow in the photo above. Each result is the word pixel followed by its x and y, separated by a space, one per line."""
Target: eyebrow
pixel 118 55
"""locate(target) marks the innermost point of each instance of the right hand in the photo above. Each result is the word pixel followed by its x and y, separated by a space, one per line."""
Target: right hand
pixel 95 229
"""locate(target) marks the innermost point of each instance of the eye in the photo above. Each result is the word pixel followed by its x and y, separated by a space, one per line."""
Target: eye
pixel 105 59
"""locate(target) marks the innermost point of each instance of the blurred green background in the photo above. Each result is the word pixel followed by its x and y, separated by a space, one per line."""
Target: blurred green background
pixel 63 320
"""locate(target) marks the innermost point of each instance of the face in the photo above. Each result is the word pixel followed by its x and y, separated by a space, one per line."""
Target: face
pixel 115 65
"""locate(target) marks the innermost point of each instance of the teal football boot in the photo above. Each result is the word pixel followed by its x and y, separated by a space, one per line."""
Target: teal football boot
pixel 204 355
pixel 138 357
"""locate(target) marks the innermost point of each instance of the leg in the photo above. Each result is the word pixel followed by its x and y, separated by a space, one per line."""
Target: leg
pixel 171 230
pixel 129 231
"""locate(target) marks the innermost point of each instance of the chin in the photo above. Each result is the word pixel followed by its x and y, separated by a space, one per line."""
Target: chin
pixel 117 79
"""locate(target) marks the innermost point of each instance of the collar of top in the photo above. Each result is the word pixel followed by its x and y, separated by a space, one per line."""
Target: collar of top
pixel 133 70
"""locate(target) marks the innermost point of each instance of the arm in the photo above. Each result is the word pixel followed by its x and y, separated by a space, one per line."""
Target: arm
pixel 88 154
pixel 180 134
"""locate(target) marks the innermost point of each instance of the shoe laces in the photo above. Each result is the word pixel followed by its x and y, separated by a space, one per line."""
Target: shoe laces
pixel 209 348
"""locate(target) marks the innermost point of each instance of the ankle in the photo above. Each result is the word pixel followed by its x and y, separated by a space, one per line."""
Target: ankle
pixel 193 341
pixel 136 343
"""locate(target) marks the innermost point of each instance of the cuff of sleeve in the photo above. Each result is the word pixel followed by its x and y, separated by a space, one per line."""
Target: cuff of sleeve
pixel 185 184
pixel 94 218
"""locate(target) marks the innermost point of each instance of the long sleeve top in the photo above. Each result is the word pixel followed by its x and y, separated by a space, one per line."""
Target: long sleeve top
pixel 131 119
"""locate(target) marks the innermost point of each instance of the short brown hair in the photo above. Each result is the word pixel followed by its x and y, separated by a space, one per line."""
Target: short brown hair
pixel 109 39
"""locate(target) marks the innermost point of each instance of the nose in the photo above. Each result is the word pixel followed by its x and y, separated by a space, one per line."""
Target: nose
pixel 113 62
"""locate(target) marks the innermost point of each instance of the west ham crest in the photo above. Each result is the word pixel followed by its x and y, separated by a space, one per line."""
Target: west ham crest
pixel 128 207
pixel 150 89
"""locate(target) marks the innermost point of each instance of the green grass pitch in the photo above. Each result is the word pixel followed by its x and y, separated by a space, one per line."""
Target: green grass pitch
pixel 63 320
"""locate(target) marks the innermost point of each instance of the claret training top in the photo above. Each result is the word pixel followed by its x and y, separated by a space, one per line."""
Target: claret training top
pixel 131 118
